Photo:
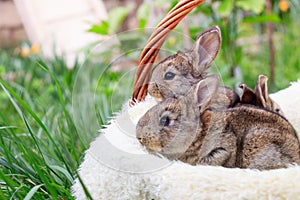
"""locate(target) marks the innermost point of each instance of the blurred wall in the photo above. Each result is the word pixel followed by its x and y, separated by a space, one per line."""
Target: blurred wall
pixel 11 28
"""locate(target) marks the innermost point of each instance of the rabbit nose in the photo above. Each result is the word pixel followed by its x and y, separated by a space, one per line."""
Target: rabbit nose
pixel 153 87
pixel 154 91
pixel 141 139
pixel 139 135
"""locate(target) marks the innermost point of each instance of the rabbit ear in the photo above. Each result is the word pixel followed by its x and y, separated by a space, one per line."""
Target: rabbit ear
pixel 205 90
pixel 206 49
pixel 248 96
pixel 261 91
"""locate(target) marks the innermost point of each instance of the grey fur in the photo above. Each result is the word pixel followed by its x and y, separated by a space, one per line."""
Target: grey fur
pixel 186 128
pixel 189 68
pixel 260 96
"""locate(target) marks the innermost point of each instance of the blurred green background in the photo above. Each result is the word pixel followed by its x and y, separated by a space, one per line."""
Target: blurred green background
pixel 41 144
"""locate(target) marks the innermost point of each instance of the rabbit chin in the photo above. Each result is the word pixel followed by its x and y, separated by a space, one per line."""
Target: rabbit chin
pixel 173 152
pixel 157 96
pixel 153 148
pixel 169 152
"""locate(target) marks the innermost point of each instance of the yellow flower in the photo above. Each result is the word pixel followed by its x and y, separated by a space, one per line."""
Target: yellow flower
pixel 172 41
pixel 35 48
pixel 284 5
pixel 24 52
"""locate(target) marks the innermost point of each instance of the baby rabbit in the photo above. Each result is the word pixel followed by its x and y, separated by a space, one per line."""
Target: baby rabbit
pixel 185 128
pixel 178 73
pixel 260 96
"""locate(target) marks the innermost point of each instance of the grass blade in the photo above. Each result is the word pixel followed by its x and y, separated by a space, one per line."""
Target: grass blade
pixel 62 170
pixel 11 94
pixel 32 192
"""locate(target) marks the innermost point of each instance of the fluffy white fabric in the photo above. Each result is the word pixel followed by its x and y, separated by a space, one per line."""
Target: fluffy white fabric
pixel 289 101
pixel 116 167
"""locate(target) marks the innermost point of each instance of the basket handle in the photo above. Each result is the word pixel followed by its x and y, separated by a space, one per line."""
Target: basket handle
pixel 154 43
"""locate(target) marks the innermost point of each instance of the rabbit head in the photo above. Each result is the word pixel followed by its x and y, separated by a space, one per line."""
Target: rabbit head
pixel 259 97
pixel 177 73
pixel 170 127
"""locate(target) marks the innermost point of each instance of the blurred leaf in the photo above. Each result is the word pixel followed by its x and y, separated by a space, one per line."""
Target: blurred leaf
pixel 2 70
pixel 262 19
pixel 165 3
pixel 116 16
pixel 143 14
pixel 249 5
pixel 238 54
pixel 204 9
pixel 225 7
pixel 102 28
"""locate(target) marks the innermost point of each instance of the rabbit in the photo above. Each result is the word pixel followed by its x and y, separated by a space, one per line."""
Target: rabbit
pixel 260 96
pixel 185 128
pixel 178 73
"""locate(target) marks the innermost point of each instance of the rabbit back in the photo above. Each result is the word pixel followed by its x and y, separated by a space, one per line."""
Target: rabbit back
pixel 266 140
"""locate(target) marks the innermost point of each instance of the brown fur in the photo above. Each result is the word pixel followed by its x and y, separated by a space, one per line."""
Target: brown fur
pixel 189 68
pixel 259 96
pixel 245 137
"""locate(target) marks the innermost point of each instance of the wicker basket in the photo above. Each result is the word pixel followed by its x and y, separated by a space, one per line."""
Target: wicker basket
pixel 116 167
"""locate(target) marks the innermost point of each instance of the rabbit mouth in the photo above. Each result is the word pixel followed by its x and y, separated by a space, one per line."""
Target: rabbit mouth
pixel 159 91
pixel 152 145
pixel 154 148
pixel 155 92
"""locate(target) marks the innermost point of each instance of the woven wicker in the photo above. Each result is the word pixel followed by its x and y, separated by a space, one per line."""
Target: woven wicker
pixel 154 44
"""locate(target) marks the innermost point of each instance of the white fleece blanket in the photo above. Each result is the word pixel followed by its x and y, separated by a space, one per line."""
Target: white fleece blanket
pixel 116 167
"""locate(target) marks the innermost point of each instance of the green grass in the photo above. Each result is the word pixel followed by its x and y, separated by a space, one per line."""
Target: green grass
pixel 41 146
pixel 39 155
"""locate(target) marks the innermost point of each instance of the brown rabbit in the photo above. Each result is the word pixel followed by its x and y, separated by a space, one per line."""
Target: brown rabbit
pixel 260 96
pixel 185 128
pixel 178 73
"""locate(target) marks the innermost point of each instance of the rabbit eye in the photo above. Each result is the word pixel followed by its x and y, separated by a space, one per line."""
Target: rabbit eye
pixel 169 76
pixel 164 121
